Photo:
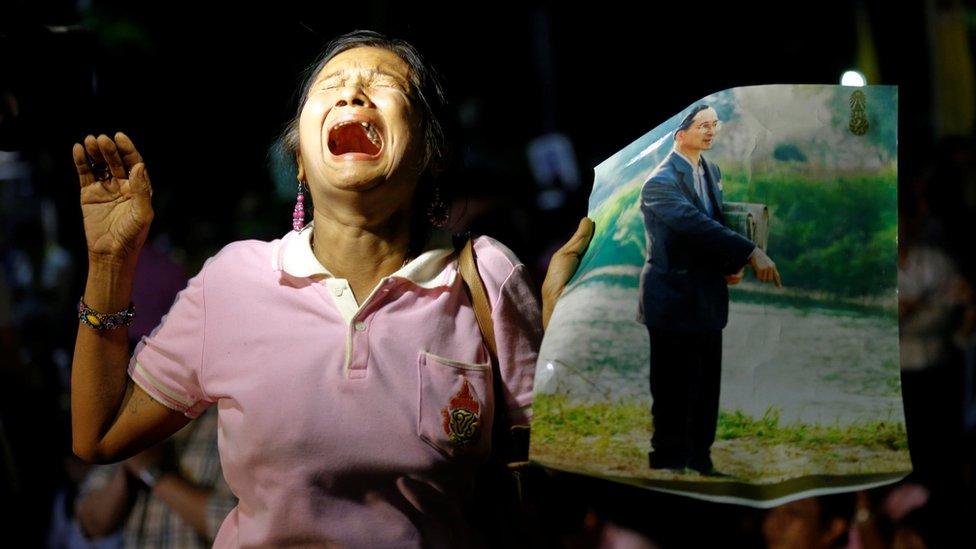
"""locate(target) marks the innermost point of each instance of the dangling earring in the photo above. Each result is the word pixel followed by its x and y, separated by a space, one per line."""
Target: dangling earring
pixel 438 212
pixel 298 216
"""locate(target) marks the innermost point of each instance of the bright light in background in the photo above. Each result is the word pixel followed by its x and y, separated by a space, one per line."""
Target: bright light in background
pixel 852 78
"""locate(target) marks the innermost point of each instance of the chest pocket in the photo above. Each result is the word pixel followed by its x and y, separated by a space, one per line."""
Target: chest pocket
pixel 455 408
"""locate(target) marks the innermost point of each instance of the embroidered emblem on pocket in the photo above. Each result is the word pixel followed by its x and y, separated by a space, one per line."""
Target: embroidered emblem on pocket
pixel 462 417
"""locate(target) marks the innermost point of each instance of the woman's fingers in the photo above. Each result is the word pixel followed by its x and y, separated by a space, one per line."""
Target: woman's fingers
pixel 85 175
pixel 116 157
pixel 91 147
pixel 130 156
pixel 577 244
pixel 141 190
pixel 563 265
pixel 99 168
pixel 111 154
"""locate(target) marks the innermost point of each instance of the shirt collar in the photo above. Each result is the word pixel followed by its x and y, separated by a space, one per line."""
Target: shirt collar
pixel 293 255
pixel 685 158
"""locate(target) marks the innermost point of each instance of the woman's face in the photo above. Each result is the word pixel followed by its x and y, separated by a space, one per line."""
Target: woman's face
pixel 359 131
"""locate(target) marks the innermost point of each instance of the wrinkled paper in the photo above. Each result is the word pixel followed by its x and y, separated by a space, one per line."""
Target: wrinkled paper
pixel 810 398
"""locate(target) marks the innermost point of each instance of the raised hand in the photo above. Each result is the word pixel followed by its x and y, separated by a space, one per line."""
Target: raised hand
pixel 115 196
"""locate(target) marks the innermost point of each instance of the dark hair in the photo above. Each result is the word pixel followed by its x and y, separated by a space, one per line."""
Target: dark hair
pixel 427 92
pixel 690 117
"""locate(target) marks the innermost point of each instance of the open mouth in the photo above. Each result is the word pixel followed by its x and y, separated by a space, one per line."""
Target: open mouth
pixel 353 136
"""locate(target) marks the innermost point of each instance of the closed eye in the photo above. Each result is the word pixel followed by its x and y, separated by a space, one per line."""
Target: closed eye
pixel 333 86
pixel 385 84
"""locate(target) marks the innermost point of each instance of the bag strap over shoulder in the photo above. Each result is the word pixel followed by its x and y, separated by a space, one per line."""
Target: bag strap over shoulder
pixel 514 445
pixel 468 270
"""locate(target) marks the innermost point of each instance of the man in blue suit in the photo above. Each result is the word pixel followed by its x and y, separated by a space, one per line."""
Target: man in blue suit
pixel 692 257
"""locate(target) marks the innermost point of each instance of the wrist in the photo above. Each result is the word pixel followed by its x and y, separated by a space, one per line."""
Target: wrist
pixel 151 475
pixel 109 285
pixel 110 261
pixel 105 320
pixel 753 257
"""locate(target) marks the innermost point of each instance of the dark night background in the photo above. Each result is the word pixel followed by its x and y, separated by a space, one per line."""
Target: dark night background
pixel 203 89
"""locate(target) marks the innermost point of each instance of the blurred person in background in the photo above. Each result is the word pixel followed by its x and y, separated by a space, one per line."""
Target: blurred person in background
pixel 936 315
pixel 809 523
pixel 171 495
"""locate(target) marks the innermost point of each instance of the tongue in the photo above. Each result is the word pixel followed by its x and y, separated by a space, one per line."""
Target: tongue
pixel 351 138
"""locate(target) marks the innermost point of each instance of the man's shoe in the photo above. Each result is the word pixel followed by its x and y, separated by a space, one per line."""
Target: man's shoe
pixel 672 465
pixel 701 463
pixel 713 472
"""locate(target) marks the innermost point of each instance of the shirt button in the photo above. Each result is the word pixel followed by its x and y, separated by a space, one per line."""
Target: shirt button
pixel 360 326
pixel 337 291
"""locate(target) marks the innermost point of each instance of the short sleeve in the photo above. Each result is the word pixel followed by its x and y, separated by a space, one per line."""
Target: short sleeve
pixel 517 318
pixel 168 363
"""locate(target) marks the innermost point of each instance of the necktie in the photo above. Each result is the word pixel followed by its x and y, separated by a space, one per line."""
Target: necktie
pixel 700 183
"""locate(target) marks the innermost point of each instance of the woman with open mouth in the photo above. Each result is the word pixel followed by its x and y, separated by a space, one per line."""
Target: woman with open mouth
pixel 356 391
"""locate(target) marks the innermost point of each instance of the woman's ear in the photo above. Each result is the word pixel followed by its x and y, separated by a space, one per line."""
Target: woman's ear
pixel 301 168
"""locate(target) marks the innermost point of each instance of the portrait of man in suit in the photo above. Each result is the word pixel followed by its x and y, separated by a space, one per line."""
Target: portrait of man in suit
pixel 692 258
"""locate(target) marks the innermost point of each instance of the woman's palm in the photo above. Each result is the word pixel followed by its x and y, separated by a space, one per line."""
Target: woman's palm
pixel 116 208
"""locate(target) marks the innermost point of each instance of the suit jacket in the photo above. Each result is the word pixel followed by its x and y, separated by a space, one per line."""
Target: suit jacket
pixel 682 284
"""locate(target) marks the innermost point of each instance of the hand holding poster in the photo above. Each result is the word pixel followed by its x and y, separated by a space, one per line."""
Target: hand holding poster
pixel 732 330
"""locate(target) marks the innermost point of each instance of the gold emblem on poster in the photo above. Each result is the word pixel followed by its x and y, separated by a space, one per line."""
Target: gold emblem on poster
pixel 859 113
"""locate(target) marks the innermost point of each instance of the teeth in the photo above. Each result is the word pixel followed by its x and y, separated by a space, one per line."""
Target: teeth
pixel 371 133
pixel 370 130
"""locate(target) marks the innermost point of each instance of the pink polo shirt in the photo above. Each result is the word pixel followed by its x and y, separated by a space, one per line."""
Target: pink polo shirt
pixel 359 425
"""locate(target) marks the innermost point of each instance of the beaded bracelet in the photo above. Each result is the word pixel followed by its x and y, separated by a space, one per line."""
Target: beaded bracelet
pixel 105 321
